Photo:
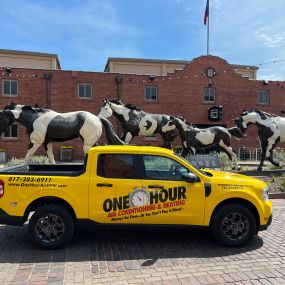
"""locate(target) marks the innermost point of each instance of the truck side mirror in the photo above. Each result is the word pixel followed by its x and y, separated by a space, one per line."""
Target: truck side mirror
pixel 191 178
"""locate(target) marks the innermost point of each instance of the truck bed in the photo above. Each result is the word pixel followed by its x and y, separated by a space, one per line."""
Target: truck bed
pixel 46 169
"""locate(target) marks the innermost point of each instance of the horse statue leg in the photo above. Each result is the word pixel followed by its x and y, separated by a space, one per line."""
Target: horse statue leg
pixel 271 158
pixel 167 144
pixel 267 146
pixel 127 137
pixel 264 144
pixel 185 152
pixel 86 148
pixel 231 154
pixel 50 153
pixel 31 150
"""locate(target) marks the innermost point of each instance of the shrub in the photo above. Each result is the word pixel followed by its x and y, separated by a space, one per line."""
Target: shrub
pixel 33 160
pixel 178 149
pixel 223 158
pixel 279 155
pixel 282 188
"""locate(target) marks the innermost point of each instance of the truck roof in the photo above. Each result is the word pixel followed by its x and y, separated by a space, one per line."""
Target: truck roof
pixel 132 148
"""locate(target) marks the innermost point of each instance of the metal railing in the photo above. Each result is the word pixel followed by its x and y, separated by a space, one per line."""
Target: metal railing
pixel 254 154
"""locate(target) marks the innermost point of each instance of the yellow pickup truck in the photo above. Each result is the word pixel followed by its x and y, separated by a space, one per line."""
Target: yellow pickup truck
pixel 132 185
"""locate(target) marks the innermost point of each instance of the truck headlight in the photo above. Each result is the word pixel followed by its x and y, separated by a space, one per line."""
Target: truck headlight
pixel 265 193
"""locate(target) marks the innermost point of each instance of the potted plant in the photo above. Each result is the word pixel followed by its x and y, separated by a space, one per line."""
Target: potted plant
pixel 66 153
pixel 3 155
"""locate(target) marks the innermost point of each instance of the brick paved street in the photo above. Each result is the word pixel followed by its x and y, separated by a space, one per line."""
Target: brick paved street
pixel 140 256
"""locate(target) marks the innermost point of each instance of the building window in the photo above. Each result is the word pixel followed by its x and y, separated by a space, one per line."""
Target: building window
pixel 263 97
pixel 209 95
pixel 11 132
pixel 10 87
pixel 150 93
pixel 84 90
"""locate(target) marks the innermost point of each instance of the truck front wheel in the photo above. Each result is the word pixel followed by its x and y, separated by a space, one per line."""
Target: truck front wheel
pixel 234 225
pixel 51 226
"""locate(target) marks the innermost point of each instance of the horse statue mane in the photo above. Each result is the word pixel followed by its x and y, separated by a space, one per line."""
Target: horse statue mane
pixel 184 120
pixel 116 101
pixel 129 106
pixel 262 113
pixel 132 107
pixel 34 110
pixel 13 105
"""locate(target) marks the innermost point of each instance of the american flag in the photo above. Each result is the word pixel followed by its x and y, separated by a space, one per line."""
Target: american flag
pixel 206 15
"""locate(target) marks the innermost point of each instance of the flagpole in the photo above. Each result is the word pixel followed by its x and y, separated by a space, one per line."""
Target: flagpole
pixel 208 29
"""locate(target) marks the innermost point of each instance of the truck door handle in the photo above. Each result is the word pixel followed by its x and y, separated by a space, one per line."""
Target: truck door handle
pixel 104 185
pixel 155 186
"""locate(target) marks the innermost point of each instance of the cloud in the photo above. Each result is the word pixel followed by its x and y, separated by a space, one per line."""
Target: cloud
pixel 249 32
pixel 80 30
pixel 270 37
pixel 273 77
pixel 85 33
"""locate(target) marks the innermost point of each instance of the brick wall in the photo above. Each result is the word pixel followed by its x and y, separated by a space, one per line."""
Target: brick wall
pixel 178 93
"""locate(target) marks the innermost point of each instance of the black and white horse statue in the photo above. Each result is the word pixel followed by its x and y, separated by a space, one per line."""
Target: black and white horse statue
pixel 136 122
pixel 6 119
pixel 194 139
pixel 271 131
pixel 45 126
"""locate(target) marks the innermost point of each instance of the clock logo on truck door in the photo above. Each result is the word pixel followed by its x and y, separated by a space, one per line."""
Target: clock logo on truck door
pixel 139 197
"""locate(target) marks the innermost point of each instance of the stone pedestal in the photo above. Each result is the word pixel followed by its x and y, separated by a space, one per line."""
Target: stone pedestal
pixel 3 157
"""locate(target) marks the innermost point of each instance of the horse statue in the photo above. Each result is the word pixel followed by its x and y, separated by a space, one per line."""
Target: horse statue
pixel 271 131
pixel 45 126
pixel 136 122
pixel 6 119
pixel 194 139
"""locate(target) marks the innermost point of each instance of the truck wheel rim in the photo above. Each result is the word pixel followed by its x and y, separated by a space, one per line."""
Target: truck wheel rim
pixel 50 228
pixel 235 226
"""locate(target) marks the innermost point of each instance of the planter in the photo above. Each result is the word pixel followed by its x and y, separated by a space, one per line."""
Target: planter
pixel 278 195
pixel 66 154
pixel 3 157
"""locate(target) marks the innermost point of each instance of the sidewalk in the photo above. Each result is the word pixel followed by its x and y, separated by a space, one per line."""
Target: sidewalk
pixel 154 257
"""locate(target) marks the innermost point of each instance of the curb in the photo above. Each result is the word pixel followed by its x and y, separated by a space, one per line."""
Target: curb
pixel 279 195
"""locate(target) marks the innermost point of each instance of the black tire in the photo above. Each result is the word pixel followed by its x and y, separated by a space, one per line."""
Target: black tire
pixel 51 226
pixel 234 225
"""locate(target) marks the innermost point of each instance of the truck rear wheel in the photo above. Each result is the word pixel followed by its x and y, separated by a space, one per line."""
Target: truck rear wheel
pixel 234 225
pixel 51 226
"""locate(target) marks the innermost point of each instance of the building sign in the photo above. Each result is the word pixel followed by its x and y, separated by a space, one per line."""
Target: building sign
pixel 210 72
pixel 215 113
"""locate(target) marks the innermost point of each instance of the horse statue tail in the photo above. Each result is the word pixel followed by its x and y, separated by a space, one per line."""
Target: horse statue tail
pixel 236 132
pixel 112 137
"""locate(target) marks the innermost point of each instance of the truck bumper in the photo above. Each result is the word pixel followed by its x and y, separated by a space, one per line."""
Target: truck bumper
pixel 264 227
pixel 6 219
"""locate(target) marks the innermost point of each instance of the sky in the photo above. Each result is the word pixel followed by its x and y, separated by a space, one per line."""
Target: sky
pixel 84 33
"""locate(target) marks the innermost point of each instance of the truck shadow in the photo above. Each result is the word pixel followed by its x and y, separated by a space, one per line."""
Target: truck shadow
pixel 148 245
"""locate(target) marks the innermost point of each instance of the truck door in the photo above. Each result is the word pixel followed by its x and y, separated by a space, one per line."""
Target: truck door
pixel 171 198
pixel 115 178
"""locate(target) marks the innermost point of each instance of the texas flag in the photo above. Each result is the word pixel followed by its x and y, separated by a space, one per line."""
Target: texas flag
pixel 206 15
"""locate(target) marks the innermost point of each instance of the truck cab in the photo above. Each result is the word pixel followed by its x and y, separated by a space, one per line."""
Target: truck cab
pixel 133 185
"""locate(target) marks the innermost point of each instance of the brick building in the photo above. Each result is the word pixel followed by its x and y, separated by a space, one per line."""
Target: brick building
pixel 204 82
